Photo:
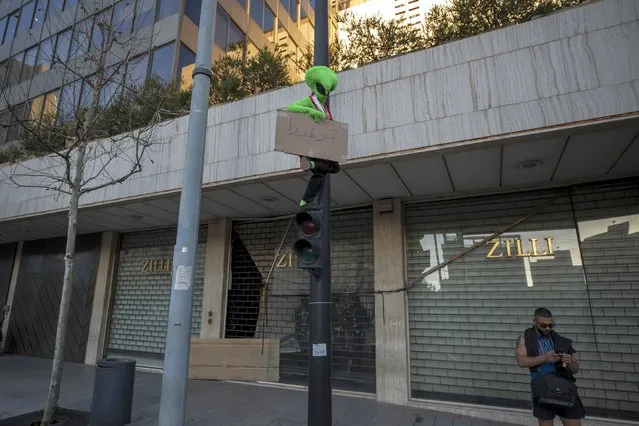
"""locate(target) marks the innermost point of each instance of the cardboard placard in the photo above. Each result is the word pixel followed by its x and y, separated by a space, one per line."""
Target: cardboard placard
pixel 299 134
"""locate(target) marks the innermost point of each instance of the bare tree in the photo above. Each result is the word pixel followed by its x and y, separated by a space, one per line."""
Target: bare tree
pixel 99 130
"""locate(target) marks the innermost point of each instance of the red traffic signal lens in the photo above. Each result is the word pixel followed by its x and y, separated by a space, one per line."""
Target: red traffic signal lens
pixel 309 228
pixel 307 225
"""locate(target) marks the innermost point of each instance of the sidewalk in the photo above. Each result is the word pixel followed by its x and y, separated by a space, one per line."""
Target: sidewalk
pixel 24 383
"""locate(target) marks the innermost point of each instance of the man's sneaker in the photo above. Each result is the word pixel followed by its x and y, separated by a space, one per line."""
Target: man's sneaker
pixel 306 163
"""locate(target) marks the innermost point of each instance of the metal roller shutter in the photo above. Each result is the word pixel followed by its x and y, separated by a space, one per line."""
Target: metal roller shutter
pixel 279 309
pixel 142 291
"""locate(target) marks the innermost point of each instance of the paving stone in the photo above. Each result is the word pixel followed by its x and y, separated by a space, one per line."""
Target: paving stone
pixel 24 385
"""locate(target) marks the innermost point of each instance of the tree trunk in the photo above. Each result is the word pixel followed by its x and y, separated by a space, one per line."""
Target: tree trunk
pixel 67 290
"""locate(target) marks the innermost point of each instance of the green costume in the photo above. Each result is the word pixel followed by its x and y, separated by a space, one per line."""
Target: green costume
pixel 322 81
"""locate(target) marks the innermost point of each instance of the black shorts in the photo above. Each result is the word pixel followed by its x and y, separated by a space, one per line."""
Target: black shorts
pixel 547 412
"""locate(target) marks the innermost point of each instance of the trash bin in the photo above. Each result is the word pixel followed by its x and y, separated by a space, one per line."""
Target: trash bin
pixel 113 392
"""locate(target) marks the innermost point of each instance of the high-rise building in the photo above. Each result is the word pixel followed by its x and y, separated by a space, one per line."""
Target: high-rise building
pixel 32 32
pixel 412 11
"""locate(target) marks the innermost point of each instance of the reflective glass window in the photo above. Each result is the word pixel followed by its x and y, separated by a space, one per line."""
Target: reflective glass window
pixel 112 84
pixel 3 72
pixel 186 65
pixel 69 98
pixel 235 33
pixel 221 27
pixel 257 10
pixel 50 106
pixel 35 108
pixel 44 56
pixel 13 131
pixel 136 71
pixel 3 27
pixel 40 13
pixel 26 17
pixel 13 71
pixel 101 28
pixel 12 24
pixel 55 7
pixel 269 20
pixel 123 13
pixel 81 39
pixel 70 4
pixel 162 64
pixel 193 8
pixel 145 14
pixel 168 8
pixel 62 46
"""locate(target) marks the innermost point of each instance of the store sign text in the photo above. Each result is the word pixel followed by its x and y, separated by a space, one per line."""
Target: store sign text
pixel 150 266
pixel 513 248
pixel 284 260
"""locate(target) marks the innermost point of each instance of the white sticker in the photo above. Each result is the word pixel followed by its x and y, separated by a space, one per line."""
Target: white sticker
pixel 182 278
pixel 319 349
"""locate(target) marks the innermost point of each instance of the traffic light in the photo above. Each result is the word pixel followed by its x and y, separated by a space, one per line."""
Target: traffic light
pixel 307 248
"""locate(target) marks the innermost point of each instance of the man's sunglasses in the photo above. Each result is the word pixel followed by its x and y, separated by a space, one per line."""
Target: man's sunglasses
pixel 545 326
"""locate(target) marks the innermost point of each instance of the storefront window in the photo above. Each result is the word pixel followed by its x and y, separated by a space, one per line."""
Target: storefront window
pixel 465 317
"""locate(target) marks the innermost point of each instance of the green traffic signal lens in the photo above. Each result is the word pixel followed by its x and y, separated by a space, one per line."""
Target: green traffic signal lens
pixel 304 251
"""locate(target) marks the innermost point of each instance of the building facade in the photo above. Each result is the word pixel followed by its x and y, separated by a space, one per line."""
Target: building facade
pixel 38 36
pixel 486 178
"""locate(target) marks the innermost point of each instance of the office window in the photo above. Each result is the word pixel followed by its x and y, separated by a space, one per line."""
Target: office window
pixel 87 92
pixel 168 8
pixel 35 107
pixel 81 40
pixel 12 24
pixel 5 118
pixel 3 72
pixel 292 9
pixel 136 71
pixel 50 106
pixel 40 13
pixel 186 65
pixel 3 27
pixel 70 4
pixel 123 13
pixel 45 56
pixel 269 20
pixel 101 29
pixel 69 97
pixel 145 14
pixel 257 10
pixel 13 70
pixel 13 131
pixel 28 66
pixel 162 64
pixel 242 3
pixel 55 7
pixel 26 16
pixel 62 47
pixel 235 34
pixel 193 8
pixel 221 28
pixel 112 87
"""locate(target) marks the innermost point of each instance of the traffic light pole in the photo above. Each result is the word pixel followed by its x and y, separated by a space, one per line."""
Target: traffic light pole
pixel 320 410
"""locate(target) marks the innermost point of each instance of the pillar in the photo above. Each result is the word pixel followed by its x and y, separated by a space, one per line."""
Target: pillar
pixel 391 320
pixel 102 298
pixel 12 291
pixel 216 270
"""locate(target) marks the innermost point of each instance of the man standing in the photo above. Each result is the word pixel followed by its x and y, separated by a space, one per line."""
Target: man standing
pixel 552 361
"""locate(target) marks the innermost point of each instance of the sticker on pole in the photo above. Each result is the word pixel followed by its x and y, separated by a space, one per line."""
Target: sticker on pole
pixel 182 278
pixel 319 349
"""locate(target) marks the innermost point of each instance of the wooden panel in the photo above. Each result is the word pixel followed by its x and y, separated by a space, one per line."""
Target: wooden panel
pixel 235 359
pixel 38 292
